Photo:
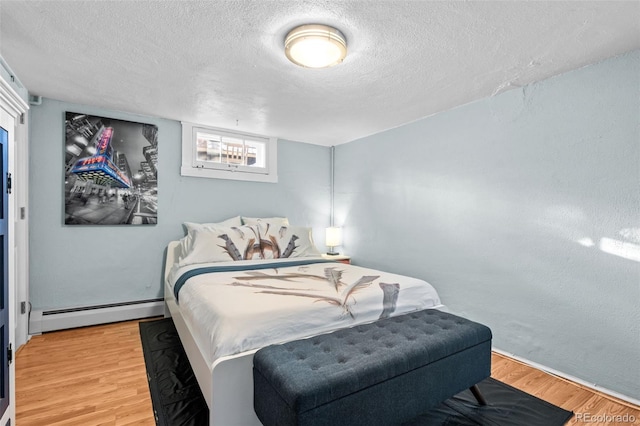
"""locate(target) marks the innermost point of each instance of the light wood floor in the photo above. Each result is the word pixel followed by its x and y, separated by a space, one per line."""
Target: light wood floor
pixel 85 377
pixel 586 404
pixel 96 376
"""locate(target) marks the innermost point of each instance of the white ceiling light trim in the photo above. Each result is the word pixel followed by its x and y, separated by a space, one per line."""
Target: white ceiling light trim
pixel 315 46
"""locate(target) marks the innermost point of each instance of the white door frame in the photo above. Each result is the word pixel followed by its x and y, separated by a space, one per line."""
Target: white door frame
pixel 13 118
pixel 20 209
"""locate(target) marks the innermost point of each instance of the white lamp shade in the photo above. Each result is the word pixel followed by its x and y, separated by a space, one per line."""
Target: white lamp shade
pixel 333 237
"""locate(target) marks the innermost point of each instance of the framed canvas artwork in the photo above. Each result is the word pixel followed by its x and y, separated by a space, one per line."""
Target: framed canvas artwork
pixel 111 175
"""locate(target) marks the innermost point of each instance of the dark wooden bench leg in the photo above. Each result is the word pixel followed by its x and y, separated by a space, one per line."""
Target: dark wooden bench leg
pixel 476 392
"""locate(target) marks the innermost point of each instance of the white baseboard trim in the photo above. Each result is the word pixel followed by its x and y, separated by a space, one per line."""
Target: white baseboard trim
pixel 569 377
pixel 42 321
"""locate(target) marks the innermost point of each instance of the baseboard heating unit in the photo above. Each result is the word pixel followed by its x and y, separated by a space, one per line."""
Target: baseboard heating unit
pixel 60 319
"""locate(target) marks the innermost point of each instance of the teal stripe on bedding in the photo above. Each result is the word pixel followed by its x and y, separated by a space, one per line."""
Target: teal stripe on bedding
pixel 241 267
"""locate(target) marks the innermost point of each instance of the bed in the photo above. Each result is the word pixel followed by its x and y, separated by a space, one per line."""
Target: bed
pixel 225 311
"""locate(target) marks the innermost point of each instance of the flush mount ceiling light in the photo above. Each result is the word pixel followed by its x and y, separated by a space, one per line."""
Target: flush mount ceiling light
pixel 315 46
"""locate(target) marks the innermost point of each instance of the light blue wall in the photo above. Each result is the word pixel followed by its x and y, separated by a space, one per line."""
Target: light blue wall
pixel 496 203
pixel 90 265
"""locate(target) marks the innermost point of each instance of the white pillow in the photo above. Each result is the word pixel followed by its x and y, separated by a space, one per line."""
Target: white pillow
pixel 185 243
pixel 222 243
pixel 273 221
pixel 286 241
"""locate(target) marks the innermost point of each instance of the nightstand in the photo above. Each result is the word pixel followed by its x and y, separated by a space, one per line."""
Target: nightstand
pixel 338 258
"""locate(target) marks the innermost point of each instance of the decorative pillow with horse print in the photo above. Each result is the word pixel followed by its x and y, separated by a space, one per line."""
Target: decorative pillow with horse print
pixel 283 241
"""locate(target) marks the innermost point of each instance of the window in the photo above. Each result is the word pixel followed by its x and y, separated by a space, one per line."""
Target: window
pixel 224 154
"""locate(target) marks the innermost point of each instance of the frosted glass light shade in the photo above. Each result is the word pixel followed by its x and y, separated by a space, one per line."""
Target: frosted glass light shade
pixel 333 237
pixel 315 46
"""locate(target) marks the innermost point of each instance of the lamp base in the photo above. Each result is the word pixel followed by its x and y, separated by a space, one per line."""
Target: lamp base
pixel 333 253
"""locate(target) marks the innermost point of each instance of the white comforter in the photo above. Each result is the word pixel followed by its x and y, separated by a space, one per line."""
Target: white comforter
pixel 238 311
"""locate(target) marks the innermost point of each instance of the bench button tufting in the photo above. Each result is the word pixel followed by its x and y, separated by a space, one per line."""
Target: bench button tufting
pixel 400 346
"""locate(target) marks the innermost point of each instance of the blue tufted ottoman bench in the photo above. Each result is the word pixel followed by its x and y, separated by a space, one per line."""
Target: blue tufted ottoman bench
pixel 381 373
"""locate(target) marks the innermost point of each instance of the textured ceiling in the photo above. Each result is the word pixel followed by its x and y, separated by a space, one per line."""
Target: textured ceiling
pixel 221 63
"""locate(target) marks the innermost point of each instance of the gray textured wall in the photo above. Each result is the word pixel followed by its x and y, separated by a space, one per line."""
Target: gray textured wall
pixel 90 265
pixel 510 207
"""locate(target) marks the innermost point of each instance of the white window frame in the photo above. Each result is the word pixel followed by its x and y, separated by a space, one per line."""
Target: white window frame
pixel 191 166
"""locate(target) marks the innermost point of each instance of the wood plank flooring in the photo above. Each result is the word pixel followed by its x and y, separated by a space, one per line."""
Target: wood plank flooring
pixel 95 376
pixel 589 407
pixel 85 376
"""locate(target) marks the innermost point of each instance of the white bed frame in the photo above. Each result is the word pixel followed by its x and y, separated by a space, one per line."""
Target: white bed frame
pixel 227 384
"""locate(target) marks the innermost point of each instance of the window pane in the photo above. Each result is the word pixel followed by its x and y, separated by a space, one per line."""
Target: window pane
pixel 232 151
pixel 208 148
pixel 256 153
